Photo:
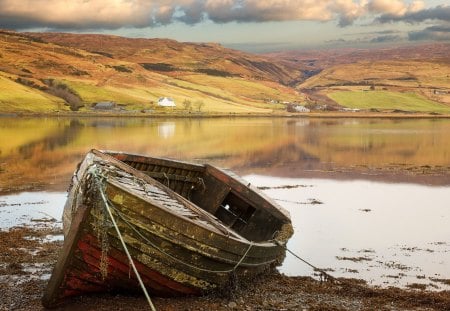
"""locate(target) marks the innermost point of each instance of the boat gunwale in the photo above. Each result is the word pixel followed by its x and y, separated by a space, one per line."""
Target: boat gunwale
pixel 194 244
pixel 237 238
pixel 278 210
pixel 175 162
pixel 186 203
pixel 210 217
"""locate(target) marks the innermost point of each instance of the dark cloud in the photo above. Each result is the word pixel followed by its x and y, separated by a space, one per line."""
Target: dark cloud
pixel 107 14
pixel 432 33
pixel 385 38
pixel 367 40
pixel 440 13
pixel 381 32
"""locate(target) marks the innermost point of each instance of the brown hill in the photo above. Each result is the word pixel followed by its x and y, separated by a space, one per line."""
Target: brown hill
pixel 313 61
pixel 405 78
pixel 170 56
pixel 51 71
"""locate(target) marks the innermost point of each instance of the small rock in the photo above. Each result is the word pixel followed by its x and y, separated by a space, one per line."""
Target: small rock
pixel 232 305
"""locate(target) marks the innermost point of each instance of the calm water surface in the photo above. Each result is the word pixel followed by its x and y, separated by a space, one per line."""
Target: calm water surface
pixel 374 223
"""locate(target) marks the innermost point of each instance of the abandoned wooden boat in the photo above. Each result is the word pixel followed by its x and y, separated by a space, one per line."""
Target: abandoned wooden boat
pixel 187 228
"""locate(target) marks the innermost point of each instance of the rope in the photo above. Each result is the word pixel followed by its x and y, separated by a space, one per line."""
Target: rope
pixel 167 178
pixel 152 307
pixel 242 259
pixel 202 183
pixel 326 276
pixel 121 216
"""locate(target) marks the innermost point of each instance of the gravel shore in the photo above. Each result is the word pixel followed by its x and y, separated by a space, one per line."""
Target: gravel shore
pixel 27 256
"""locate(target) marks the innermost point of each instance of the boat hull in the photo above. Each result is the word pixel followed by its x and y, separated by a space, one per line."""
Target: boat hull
pixel 177 248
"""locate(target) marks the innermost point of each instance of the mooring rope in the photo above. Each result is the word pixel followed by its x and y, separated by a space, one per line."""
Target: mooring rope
pixel 326 276
pixel 136 272
pixel 238 263
pixel 110 206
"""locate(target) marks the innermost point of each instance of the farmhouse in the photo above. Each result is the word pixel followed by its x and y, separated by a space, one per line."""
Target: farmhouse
pixel 299 108
pixel 440 92
pixel 166 102
pixel 104 106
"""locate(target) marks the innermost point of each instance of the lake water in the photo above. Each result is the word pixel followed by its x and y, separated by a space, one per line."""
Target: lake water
pixel 383 185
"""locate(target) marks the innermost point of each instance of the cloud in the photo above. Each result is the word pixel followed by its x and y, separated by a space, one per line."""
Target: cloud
pixel 380 32
pixel 385 38
pixel 441 13
pixel 366 41
pixel 394 7
pixel 433 33
pixel 112 14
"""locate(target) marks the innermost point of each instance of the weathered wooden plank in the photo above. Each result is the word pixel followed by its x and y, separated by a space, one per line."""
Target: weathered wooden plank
pixel 157 161
pixel 151 277
pixel 252 196
pixel 53 290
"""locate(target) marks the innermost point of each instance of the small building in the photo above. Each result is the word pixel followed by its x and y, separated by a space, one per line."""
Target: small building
pixel 299 108
pixel 350 109
pixel 440 92
pixel 104 106
pixel 166 102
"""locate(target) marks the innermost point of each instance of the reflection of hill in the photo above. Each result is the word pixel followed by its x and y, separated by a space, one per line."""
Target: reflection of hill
pixel 56 140
pixel 40 162
pixel 276 146
pixel 416 150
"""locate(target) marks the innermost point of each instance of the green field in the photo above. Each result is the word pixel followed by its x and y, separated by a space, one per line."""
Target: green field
pixel 15 97
pixel 385 100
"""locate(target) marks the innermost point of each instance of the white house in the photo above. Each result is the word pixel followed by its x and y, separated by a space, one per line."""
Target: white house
pixel 166 102
pixel 299 108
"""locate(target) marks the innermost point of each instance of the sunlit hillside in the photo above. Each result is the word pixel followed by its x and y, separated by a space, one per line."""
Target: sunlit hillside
pixel 47 72
pixel 409 85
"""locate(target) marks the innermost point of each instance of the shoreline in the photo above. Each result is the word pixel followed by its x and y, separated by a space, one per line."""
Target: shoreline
pixel 25 275
pixel 325 115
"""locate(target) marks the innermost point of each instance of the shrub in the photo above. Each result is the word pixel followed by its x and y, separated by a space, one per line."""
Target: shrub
pixel 158 67
pixel 199 104
pixel 122 68
pixel 187 104
pixel 61 90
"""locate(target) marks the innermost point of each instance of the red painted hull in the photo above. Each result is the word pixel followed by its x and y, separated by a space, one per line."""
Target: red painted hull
pixel 119 273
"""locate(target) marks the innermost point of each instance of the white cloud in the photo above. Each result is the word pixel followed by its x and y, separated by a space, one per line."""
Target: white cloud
pixel 111 14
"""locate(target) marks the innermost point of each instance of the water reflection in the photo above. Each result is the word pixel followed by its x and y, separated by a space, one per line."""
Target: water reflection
pixel 356 220
pixel 387 234
pixel 166 129
pixel 41 153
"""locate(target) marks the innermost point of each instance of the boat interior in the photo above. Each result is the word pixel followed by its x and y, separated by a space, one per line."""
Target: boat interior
pixel 221 193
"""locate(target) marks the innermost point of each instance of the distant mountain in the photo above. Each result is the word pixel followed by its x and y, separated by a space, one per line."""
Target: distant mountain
pixel 405 78
pixel 316 60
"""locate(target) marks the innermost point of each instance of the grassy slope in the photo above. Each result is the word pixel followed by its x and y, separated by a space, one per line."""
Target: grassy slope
pixel 387 100
pixel 95 77
pixel 15 97
pixel 406 85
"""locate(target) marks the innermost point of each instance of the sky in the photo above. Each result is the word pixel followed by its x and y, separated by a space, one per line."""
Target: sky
pixel 251 25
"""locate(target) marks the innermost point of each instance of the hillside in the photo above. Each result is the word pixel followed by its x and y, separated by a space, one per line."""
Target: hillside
pixel 408 78
pixel 61 72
